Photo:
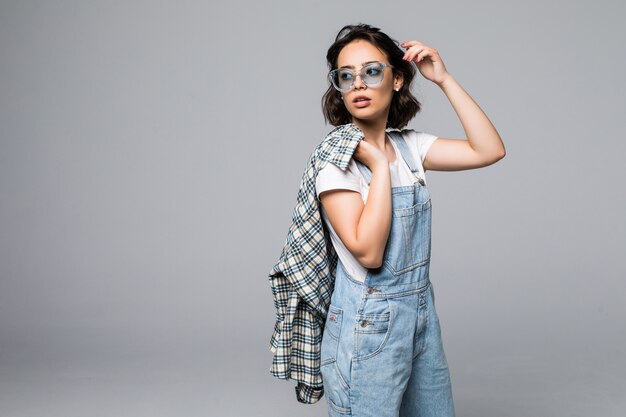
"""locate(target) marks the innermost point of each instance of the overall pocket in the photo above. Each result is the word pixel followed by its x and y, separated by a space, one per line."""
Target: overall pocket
pixel 372 328
pixel 330 336
pixel 408 245
pixel 336 390
pixel 335 386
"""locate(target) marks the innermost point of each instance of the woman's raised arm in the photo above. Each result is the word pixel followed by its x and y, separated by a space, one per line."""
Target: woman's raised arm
pixel 483 145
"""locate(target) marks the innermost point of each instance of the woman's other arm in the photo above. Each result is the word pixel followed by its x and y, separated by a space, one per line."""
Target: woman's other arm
pixel 483 145
pixel 363 228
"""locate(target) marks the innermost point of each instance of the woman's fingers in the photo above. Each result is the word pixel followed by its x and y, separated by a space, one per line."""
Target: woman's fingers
pixel 413 51
pixel 408 44
pixel 432 68
pixel 419 52
pixel 423 53
pixel 368 154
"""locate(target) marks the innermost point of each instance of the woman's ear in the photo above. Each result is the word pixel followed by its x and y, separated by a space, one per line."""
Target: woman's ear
pixel 398 81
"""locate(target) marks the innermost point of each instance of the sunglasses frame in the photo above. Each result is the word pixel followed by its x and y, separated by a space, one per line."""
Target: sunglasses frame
pixel 331 75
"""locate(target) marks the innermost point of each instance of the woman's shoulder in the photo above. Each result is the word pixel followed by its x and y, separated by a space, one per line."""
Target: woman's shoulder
pixel 331 177
pixel 419 141
pixel 415 136
pixel 330 170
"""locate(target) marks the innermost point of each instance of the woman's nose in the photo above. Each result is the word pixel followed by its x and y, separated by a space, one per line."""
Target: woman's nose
pixel 358 82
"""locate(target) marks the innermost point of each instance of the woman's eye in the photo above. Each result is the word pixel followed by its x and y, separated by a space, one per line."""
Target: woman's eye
pixel 345 76
pixel 373 71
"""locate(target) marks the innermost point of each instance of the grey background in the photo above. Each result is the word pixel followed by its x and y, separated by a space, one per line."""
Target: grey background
pixel 150 157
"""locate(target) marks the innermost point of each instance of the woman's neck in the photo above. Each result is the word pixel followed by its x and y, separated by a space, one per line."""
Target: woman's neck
pixel 374 131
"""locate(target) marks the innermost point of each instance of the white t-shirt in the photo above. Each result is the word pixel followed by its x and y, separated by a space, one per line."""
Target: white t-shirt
pixel 331 177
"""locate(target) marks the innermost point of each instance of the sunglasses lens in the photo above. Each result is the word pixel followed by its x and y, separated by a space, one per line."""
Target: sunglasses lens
pixel 373 74
pixel 342 79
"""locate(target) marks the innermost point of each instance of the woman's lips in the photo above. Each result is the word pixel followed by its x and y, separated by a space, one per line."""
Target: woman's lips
pixel 362 103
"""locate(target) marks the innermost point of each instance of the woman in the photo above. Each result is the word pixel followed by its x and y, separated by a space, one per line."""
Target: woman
pixel 381 352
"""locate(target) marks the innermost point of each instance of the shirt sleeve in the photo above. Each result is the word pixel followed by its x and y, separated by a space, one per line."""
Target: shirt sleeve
pixel 424 141
pixel 331 177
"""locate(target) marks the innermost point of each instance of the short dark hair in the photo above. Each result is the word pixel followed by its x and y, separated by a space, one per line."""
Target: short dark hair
pixel 404 106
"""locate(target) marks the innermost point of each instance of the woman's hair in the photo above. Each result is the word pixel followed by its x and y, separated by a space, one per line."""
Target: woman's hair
pixel 404 106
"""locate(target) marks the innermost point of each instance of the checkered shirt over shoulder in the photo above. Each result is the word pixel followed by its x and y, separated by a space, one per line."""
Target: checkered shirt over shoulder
pixel 303 279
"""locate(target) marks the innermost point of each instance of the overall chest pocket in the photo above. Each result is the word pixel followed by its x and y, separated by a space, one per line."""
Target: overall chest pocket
pixel 408 245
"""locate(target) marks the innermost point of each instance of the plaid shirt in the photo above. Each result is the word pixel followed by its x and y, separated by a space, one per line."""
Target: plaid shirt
pixel 303 278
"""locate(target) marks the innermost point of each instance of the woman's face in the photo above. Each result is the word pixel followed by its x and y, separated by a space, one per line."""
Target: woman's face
pixel 355 54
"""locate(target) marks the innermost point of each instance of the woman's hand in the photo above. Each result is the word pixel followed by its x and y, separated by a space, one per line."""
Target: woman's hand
pixel 427 60
pixel 370 155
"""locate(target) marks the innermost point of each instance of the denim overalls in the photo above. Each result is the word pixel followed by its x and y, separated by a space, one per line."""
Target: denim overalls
pixel 381 352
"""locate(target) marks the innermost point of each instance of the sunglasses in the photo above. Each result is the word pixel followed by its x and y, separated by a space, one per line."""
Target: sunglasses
pixel 371 74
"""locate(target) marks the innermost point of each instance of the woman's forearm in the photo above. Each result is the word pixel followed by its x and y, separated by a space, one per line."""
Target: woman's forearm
pixel 375 220
pixel 481 134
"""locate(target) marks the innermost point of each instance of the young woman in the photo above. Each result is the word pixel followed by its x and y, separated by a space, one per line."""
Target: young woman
pixel 381 352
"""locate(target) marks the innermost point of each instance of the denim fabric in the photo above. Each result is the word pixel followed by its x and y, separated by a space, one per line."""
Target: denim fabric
pixel 382 353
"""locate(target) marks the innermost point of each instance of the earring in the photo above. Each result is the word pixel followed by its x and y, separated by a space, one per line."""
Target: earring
pixel 397 89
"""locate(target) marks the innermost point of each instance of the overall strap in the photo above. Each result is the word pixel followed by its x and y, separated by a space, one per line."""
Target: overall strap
pixel 404 151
